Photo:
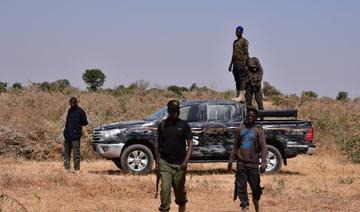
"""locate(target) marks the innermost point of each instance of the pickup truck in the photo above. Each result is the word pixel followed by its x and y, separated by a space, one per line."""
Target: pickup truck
pixel 131 144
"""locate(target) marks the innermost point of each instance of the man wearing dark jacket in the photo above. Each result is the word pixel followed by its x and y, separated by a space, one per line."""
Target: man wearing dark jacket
pixel 249 146
pixel 75 120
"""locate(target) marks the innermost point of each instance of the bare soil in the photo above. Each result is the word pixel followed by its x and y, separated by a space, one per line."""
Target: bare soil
pixel 308 183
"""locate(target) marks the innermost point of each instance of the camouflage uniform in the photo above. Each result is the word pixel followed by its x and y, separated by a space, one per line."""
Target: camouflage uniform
pixel 239 59
pixel 253 87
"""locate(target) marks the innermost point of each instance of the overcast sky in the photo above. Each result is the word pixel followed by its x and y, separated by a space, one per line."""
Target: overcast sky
pixel 302 45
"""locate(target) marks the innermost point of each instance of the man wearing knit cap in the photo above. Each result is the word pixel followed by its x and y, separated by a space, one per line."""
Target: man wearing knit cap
pixel 172 156
pixel 238 65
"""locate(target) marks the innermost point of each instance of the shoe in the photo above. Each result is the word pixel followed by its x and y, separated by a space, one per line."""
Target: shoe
pixel 182 208
pixel 67 171
pixel 77 172
pixel 245 209
pixel 256 205
pixel 241 97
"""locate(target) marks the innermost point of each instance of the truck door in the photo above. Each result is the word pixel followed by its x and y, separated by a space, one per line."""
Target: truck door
pixel 219 129
pixel 193 114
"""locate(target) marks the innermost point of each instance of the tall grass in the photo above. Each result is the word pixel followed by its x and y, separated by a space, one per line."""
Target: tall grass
pixel 32 121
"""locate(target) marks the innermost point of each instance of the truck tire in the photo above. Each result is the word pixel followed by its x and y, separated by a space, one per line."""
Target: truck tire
pixel 137 159
pixel 273 160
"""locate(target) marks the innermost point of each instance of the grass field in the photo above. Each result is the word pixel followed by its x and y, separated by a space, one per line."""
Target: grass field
pixel 309 183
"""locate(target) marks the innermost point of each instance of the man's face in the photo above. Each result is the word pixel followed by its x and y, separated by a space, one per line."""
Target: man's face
pixel 239 34
pixel 73 103
pixel 251 117
pixel 174 114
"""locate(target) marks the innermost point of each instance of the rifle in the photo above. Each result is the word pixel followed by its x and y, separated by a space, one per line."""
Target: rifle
pixel 157 172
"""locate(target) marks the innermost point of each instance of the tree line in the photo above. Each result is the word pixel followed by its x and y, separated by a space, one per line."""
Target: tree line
pixel 95 79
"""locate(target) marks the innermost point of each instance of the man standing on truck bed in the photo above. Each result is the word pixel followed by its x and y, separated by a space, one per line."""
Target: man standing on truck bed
pixel 75 120
pixel 238 62
pixel 249 145
pixel 172 156
pixel 253 87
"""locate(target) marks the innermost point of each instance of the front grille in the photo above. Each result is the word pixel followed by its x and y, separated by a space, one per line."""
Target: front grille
pixel 96 136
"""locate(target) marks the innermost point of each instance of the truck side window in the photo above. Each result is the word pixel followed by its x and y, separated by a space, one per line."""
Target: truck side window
pixel 220 112
pixel 190 113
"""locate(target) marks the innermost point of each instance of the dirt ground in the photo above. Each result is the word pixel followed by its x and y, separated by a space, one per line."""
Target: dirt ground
pixel 308 183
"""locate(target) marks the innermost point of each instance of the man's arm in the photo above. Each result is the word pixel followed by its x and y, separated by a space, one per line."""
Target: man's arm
pixel 263 148
pixel 234 149
pixel 232 60
pixel 84 120
pixel 261 71
pixel 157 149
pixel 188 154
pixel 246 49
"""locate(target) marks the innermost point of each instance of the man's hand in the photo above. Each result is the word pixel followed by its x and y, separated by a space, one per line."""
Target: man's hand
pixel 229 166
pixel 262 168
pixel 184 165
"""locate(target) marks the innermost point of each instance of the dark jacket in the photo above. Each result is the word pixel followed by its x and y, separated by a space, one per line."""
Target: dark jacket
pixel 75 120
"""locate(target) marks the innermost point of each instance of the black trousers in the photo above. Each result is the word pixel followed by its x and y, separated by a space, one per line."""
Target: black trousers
pixel 246 175
pixel 239 72
pixel 74 146
pixel 252 91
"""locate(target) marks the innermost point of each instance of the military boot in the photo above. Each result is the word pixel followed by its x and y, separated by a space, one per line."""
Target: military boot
pixel 241 97
pixel 236 98
pixel 182 208
pixel 245 209
pixel 256 205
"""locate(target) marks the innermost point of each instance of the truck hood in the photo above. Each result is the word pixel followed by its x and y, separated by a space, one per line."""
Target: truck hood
pixel 125 124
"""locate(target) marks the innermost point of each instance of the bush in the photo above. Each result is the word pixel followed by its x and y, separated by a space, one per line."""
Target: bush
pixel 178 90
pixel 308 94
pixel 3 86
pixel 342 96
pixel 269 90
pixel 16 86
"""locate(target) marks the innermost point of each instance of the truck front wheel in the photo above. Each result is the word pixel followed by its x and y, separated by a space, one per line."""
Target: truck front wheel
pixel 137 159
pixel 273 160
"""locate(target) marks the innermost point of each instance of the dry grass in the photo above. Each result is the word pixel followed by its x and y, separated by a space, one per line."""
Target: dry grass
pixel 308 183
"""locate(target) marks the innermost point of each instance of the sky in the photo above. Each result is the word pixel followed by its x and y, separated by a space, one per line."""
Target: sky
pixel 302 45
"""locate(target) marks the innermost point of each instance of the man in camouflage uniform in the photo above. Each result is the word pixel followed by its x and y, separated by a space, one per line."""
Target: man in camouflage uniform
pixel 253 87
pixel 238 64
pixel 172 157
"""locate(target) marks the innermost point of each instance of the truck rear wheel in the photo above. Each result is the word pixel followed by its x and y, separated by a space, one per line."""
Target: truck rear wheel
pixel 273 160
pixel 137 159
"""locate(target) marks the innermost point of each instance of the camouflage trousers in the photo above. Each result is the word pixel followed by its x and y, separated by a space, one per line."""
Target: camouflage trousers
pixel 243 176
pixel 171 176
pixel 240 76
pixel 75 147
pixel 252 91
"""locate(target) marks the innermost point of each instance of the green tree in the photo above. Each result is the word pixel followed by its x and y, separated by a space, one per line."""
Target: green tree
pixel 269 90
pixel 309 94
pixel 342 96
pixel 94 78
pixel 3 86
pixel 17 86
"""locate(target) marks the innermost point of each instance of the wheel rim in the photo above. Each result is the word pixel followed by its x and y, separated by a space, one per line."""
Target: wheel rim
pixel 137 160
pixel 271 161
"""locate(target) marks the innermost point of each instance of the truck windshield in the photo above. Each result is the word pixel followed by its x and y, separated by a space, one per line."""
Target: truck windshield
pixel 158 114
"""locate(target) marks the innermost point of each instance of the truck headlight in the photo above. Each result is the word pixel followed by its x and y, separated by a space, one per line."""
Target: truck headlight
pixel 112 132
